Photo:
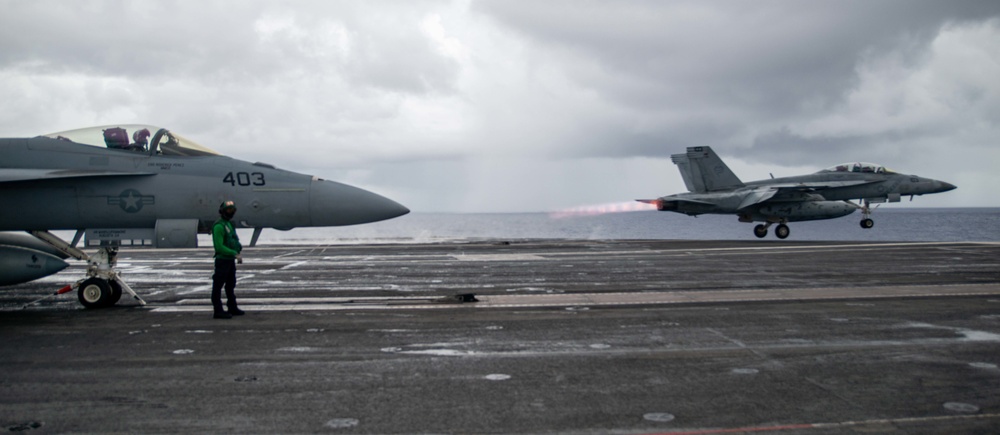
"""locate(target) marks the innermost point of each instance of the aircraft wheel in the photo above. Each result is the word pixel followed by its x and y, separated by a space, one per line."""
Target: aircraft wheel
pixel 116 293
pixel 94 293
pixel 867 223
pixel 760 231
pixel 782 231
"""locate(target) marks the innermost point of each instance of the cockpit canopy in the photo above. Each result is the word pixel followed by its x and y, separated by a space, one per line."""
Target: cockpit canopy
pixel 863 167
pixel 145 139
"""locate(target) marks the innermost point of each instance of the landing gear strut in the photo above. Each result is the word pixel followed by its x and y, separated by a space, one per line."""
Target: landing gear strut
pixel 866 213
pixel 103 286
pixel 781 231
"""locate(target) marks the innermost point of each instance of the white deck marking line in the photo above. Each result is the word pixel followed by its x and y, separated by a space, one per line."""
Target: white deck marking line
pixel 499 257
pixel 294 265
pixel 317 300
pixel 594 299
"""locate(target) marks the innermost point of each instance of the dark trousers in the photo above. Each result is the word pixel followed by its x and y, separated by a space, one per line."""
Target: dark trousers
pixel 225 275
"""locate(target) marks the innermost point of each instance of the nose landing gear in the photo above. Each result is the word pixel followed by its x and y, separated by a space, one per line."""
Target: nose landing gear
pixel 103 286
pixel 781 231
pixel 100 293
pixel 866 213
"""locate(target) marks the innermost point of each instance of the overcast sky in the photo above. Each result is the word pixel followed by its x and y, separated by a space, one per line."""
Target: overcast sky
pixel 509 106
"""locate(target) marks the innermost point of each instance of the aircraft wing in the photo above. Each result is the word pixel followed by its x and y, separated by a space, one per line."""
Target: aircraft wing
pixel 809 186
pixel 758 196
pixel 764 193
pixel 8 175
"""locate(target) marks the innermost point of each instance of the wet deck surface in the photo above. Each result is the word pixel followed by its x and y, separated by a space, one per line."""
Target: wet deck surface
pixel 567 337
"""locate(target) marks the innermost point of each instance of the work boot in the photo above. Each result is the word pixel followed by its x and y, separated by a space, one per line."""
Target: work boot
pixel 233 311
pixel 222 315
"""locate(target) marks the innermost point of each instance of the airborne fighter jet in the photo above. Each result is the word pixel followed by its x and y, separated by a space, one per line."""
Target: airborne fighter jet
pixel 715 189
pixel 152 185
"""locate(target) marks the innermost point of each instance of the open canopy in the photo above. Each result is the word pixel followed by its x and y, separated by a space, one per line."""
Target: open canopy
pixel 139 138
pixel 864 167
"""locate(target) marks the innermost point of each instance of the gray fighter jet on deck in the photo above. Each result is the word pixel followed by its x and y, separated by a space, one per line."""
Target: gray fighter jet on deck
pixel 153 187
pixel 827 194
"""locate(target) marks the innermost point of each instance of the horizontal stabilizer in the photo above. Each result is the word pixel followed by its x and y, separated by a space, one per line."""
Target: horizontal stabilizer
pixel 8 175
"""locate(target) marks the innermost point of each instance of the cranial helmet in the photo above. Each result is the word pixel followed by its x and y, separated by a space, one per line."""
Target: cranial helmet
pixel 227 206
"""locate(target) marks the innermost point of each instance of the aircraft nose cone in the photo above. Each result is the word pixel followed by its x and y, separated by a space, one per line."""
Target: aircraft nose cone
pixel 335 204
pixel 945 186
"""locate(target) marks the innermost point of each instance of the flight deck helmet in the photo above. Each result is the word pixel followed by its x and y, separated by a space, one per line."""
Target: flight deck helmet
pixel 227 209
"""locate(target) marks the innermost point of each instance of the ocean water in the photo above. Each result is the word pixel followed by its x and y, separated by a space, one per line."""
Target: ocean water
pixel 900 224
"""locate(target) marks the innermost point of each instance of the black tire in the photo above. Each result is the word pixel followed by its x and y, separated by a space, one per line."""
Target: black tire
pixel 782 231
pixel 94 293
pixel 760 231
pixel 867 223
pixel 116 293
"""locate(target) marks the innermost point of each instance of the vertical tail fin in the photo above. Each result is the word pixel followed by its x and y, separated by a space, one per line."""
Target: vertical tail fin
pixel 704 171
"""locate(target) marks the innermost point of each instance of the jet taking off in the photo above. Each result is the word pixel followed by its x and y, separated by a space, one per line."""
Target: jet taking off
pixel 155 186
pixel 827 194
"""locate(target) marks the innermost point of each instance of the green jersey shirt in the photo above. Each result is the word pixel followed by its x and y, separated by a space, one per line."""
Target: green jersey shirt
pixel 224 239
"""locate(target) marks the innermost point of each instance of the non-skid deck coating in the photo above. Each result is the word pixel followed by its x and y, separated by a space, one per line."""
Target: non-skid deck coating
pixel 567 337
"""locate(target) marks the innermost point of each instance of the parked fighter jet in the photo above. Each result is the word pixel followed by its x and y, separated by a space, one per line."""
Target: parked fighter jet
pixel 155 187
pixel 827 194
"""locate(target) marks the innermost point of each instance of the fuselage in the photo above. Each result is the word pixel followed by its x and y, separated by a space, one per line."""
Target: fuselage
pixel 790 208
pixel 68 185
pixel 875 185
pixel 822 195
pixel 827 194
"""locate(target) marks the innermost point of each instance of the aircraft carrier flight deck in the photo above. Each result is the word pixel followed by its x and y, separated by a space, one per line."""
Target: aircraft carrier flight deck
pixel 520 336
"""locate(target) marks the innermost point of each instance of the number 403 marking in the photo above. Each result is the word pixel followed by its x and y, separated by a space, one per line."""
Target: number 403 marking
pixel 244 179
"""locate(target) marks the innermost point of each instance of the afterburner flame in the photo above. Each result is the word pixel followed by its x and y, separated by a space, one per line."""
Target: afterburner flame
pixel 594 210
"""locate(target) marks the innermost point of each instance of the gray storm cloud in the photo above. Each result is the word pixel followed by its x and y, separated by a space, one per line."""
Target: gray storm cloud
pixel 524 106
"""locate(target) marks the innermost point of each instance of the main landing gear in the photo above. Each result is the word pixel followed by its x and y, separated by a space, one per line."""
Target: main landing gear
pixel 103 286
pixel 781 231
